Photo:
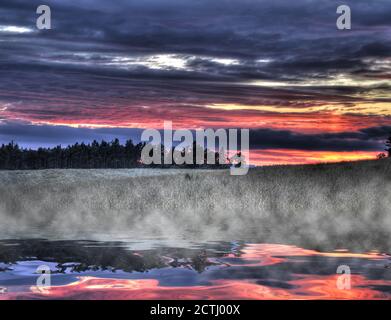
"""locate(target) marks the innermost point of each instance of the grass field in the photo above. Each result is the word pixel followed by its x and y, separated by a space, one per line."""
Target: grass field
pixel 346 205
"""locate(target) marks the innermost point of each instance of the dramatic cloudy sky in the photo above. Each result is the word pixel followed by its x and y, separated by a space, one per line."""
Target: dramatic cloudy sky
pixel 307 91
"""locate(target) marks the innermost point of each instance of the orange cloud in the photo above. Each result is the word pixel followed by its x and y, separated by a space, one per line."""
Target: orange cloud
pixel 285 156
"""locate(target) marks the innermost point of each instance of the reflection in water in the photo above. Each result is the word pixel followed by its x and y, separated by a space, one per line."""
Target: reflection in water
pixel 213 270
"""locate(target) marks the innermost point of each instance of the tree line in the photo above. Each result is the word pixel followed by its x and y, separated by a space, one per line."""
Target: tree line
pixel 387 149
pixel 104 155
pixel 95 155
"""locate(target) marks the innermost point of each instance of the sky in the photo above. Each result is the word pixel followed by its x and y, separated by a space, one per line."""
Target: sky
pixel 307 91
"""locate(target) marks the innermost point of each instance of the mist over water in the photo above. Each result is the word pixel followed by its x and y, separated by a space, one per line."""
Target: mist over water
pixel 325 206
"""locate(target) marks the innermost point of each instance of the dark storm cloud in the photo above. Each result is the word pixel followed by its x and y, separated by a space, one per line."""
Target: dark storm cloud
pixel 375 50
pixel 369 139
pixel 34 136
pixel 144 61
pixel 295 40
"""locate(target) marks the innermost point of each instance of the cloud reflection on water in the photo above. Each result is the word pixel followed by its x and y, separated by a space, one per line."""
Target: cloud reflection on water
pixel 217 270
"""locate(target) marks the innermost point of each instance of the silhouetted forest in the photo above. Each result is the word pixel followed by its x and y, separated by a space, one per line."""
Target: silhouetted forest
pixel 388 146
pixel 96 155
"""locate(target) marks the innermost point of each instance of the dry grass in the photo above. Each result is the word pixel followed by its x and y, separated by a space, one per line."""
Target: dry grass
pixel 335 205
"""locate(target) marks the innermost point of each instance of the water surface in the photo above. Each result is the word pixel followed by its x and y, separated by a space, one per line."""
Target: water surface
pixel 158 269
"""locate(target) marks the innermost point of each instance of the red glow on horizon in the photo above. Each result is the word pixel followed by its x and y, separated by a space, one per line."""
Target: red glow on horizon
pixel 191 117
pixel 300 123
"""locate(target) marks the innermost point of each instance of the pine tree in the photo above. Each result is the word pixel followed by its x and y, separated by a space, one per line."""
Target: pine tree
pixel 388 146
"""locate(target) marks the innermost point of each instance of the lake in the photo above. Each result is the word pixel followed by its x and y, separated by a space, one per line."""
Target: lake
pixel 180 269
